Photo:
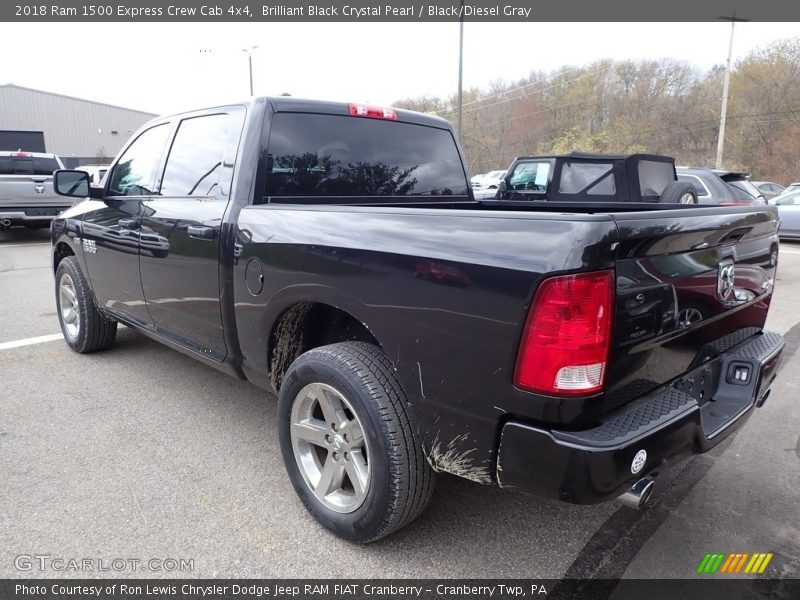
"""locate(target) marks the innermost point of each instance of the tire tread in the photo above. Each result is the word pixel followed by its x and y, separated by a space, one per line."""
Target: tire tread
pixel 96 333
pixel 411 480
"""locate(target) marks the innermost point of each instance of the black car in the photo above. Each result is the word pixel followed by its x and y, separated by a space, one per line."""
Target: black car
pixel 725 188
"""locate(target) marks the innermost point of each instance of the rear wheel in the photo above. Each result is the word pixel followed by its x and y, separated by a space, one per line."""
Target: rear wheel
pixel 347 442
pixel 85 329
pixel 773 255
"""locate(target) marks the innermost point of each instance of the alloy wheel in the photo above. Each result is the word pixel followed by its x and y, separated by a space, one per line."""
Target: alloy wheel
pixel 330 448
pixel 68 304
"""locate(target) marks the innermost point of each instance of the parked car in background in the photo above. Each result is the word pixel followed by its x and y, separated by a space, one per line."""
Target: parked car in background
pixel 789 210
pixel 716 186
pixel 488 184
pixel 476 179
pixel 792 187
pixel 769 189
pixel 595 179
pixel 26 189
pixel 96 172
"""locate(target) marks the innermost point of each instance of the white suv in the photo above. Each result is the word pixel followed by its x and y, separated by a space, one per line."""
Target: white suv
pixel 487 186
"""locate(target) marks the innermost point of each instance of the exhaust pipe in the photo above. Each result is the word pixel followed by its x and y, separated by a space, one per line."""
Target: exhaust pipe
pixel 5 223
pixel 639 495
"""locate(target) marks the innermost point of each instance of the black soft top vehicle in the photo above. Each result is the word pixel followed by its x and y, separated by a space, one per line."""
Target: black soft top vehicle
pixel 596 179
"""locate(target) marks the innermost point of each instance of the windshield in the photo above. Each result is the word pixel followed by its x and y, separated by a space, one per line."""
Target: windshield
pixel 531 176
pixel 745 186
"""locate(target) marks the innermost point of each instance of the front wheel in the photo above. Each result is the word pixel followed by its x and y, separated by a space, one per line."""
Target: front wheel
pixel 347 442
pixel 85 329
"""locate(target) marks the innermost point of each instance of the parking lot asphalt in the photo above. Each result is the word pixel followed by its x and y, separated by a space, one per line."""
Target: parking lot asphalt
pixel 142 453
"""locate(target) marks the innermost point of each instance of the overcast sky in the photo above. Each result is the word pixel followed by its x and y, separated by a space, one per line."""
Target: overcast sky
pixel 160 67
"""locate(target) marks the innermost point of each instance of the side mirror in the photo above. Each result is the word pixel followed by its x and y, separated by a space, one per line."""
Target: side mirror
pixel 74 184
pixel 501 188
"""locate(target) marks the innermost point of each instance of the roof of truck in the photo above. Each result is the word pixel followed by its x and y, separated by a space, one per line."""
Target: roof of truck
pixel 292 104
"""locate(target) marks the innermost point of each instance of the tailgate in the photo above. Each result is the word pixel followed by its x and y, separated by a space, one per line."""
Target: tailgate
pixel 27 190
pixel 691 284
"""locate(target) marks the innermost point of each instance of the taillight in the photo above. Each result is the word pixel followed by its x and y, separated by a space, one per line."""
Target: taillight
pixel 373 112
pixel 564 349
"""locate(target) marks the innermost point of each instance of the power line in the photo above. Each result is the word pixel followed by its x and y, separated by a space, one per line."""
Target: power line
pixel 512 90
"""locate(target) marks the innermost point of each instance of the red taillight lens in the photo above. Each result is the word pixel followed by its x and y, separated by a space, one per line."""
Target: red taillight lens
pixel 373 112
pixel 564 350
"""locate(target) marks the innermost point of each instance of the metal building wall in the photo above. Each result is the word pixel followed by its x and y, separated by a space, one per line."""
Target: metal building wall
pixel 73 128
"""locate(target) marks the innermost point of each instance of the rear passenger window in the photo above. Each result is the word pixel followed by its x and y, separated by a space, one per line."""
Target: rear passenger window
pixel 331 155
pixel 654 177
pixel 195 160
pixel 595 179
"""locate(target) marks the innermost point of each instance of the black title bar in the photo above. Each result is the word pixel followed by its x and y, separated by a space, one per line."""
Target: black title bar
pixel 398 11
pixel 711 588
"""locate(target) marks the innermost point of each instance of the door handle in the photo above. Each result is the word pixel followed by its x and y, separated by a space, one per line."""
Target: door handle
pixel 128 223
pixel 201 232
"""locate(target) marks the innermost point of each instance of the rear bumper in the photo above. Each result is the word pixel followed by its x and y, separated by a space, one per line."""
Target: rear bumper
pixel 669 424
pixel 38 214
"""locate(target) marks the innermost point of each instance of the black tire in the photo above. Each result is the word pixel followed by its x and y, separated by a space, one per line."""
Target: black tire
pixel 93 331
pixel 678 192
pixel 400 478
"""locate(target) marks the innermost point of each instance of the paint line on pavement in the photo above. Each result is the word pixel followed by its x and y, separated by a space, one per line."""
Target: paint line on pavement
pixel 31 341
pixel 2 245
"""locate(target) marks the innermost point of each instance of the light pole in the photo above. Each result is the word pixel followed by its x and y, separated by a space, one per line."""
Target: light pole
pixel 725 83
pixel 250 64
pixel 460 68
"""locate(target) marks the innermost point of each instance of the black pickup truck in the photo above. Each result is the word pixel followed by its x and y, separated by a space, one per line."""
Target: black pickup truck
pixel 334 253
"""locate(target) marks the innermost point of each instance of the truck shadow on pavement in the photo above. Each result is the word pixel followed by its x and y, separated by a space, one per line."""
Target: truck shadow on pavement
pixel 21 235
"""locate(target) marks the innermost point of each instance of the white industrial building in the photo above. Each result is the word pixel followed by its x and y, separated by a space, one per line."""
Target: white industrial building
pixel 79 131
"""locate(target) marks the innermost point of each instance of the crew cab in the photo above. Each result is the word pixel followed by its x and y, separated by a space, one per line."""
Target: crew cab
pixel 26 189
pixel 334 254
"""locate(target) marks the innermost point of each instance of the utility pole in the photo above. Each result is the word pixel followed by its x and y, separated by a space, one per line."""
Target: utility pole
pixel 250 64
pixel 460 68
pixel 725 83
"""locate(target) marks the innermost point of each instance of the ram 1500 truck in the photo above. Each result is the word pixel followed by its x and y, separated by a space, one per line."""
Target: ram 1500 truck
pixel 334 253
pixel 26 189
